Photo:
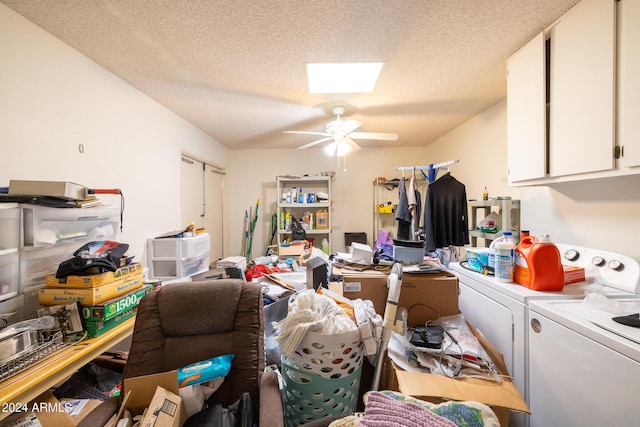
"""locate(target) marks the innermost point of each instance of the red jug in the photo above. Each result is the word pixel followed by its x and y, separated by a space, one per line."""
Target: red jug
pixel 538 265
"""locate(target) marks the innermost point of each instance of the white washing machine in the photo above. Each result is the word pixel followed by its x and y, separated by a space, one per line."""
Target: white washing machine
pixel 584 368
pixel 501 310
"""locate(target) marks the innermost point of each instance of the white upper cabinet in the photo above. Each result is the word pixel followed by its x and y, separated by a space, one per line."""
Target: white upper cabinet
pixel 586 125
pixel 526 106
pixel 582 89
pixel 629 82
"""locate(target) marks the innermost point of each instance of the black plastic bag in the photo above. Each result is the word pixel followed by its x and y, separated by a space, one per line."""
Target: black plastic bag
pixel 297 232
pixel 240 414
pixel 92 258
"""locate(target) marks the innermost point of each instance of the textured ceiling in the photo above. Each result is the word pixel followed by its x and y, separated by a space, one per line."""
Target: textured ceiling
pixel 235 68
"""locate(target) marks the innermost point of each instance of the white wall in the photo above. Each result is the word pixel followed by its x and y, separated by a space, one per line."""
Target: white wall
pixel 596 213
pixel 52 99
pixel 252 175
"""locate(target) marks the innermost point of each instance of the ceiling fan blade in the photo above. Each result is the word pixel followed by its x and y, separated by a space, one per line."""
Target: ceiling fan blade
pixel 299 132
pixel 351 125
pixel 374 135
pixel 311 144
pixel 352 144
pixel 342 127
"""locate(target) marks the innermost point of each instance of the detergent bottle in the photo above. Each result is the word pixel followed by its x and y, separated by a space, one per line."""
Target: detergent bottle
pixel 538 265
pixel 503 271
pixel 507 236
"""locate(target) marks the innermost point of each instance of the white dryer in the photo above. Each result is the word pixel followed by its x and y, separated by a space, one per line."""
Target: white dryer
pixel 501 310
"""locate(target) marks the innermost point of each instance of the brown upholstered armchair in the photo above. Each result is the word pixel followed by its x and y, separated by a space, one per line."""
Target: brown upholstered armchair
pixel 184 323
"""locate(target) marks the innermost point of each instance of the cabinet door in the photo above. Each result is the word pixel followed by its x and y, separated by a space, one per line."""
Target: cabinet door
pixel 581 124
pixel 629 82
pixel 526 111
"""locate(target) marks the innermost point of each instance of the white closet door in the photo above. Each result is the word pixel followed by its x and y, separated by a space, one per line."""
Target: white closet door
pixel 201 200
pixel 214 196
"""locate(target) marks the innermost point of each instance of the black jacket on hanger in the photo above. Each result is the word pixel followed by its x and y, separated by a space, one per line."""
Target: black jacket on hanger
pixel 446 220
pixel 403 216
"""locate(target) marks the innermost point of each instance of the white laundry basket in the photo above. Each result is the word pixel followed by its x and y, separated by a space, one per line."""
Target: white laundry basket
pixel 322 377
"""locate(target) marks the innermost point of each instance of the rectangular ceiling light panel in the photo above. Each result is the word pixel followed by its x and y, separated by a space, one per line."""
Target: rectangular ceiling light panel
pixel 343 77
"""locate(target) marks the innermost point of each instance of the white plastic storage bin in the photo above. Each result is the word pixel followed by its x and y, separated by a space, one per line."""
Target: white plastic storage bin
pixel 8 274
pixel 173 268
pixel 182 248
pixel 9 225
pixel 31 303
pixel 45 226
pixel 11 311
pixel 36 263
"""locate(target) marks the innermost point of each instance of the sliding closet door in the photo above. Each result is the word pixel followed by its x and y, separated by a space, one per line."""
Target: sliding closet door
pixel 201 200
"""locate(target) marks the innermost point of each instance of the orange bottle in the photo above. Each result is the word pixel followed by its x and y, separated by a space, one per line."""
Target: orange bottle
pixel 538 265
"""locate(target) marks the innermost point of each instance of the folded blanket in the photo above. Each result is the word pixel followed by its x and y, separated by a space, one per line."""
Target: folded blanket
pixel 384 411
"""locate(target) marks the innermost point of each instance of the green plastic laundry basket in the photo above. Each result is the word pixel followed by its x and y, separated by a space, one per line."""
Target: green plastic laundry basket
pixel 308 396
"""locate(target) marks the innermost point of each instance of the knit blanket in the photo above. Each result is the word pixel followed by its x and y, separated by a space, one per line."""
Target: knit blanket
pixel 393 409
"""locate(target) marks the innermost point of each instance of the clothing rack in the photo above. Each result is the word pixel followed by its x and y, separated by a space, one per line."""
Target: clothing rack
pixel 432 168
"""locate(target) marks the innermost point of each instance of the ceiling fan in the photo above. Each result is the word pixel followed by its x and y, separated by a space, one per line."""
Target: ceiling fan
pixel 341 134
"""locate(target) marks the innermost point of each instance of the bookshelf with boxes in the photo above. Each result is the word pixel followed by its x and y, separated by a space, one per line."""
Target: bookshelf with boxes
pixel 306 199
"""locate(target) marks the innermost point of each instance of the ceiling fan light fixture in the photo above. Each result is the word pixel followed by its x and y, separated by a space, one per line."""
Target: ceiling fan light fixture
pixel 342 77
pixel 342 149
pixel 330 149
pixel 338 148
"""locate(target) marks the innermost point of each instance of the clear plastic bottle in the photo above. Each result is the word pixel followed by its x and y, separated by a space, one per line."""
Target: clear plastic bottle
pixel 504 261
pixel 325 246
pixel 495 247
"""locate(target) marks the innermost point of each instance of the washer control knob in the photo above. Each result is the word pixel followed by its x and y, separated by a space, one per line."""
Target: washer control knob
pixel 616 265
pixel 598 261
pixel 572 255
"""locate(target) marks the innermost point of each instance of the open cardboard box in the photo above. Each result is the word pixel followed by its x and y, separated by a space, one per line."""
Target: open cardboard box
pixel 426 296
pixel 154 390
pixel 50 412
pixel 501 397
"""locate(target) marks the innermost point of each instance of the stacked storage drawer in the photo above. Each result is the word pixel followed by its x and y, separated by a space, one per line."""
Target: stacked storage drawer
pixel 51 235
pixel 10 301
pixel 171 258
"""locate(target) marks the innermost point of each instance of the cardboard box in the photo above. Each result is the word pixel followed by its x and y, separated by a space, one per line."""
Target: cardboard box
pixel 47 411
pixel 153 391
pixel 573 274
pixel 384 208
pixel 90 296
pixel 293 249
pixel 501 397
pixel 62 189
pixel 113 307
pixel 95 328
pixel 426 296
pixel 94 279
pixel 322 220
